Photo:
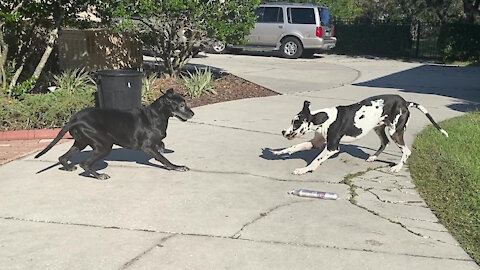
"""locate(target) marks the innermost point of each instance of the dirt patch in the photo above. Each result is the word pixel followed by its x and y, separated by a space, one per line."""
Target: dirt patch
pixel 12 150
pixel 228 87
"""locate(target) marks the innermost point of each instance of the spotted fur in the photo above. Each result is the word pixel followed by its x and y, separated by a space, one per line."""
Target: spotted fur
pixel 350 123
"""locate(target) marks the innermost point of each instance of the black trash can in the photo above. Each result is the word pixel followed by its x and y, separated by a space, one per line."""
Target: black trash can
pixel 119 89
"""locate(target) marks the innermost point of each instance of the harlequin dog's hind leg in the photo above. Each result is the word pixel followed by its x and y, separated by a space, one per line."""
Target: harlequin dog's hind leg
pixel 380 130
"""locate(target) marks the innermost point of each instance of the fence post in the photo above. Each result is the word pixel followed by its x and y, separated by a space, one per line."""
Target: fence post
pixel 418 40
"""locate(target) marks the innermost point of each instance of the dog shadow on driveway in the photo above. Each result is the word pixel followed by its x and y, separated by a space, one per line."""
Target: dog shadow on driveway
pixel 309 155
pixel 117 154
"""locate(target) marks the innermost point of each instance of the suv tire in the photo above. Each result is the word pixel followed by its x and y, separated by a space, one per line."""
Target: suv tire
pixel 218 47
pixel 291 48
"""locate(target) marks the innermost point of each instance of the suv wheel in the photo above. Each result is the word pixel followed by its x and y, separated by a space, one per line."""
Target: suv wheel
pixel 291 48
pixel 218 47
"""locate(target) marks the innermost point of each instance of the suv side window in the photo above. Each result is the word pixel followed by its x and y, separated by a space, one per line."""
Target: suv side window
pixel 269 14
pixel 301 16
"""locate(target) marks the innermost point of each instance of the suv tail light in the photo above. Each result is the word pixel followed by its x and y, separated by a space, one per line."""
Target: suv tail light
pixel 319 31
pixel 333 31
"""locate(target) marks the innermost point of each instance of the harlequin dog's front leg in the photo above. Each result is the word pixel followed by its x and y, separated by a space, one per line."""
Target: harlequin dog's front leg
pixel 294 149
pixel 324 155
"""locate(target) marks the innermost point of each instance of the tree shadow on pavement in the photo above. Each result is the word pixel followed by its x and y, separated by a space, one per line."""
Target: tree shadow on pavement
pixel 462 83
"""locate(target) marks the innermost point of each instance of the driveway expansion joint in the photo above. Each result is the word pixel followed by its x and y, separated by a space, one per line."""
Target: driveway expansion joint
pixel 262 215
pixel 139 256
pixel 171 234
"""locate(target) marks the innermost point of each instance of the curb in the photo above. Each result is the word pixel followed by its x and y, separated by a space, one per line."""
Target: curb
pixel 34 134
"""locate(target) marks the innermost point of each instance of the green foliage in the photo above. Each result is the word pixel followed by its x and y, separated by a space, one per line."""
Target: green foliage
pixel 74 92
pixel 174 29
pixel 446 172
pixel 19 89
pixel 23 88
pixel 148 95
pixel 43 110
pixel 380 39
pixel 459 42
pixel 199 83
pixel 74 80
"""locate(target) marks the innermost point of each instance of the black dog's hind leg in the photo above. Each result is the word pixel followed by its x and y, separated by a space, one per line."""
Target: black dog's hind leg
pixel 77 147
pixel 384 142
pixel 156 153
pixel 99 152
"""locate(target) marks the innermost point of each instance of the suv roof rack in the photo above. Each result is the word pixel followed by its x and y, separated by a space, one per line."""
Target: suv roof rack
pixel 292 4
pixel 289 4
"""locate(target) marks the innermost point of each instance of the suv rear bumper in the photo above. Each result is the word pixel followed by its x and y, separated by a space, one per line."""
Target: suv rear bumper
pixel 319 43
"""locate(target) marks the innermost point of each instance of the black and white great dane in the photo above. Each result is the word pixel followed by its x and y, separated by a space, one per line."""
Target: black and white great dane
pixel 350 123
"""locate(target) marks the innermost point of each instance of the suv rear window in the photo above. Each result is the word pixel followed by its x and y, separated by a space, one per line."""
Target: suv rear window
pixel 301 16
pixel 324 16
pixel 269 14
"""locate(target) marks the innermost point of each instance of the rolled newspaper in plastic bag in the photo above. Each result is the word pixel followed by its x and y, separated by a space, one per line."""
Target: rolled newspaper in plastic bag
pixel 314 194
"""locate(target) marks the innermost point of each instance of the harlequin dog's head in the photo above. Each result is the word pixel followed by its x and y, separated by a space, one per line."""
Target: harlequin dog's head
pixel 300 123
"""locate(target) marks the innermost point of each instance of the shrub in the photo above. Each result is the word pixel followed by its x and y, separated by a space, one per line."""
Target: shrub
pixel 74 92
pixel 19 89
pixel 72 80
pixel 38 111
pixel 458 41
pixel 379 39
pixel 199 83
pixel 148 94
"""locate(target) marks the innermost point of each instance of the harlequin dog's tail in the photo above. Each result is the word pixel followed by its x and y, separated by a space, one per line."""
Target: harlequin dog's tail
pixel 422 109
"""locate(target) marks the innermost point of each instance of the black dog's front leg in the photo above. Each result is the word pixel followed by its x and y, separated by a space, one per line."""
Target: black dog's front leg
pixel 157 151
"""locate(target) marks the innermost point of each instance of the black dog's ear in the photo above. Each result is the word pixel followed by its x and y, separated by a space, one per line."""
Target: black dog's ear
pixel 306 106
pixel 168 95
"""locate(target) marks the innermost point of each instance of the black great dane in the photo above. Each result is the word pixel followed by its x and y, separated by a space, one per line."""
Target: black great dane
pixel 138 129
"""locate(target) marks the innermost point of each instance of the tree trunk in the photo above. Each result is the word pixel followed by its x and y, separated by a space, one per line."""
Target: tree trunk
pixel 3 61
pixel 4 50
pixel 52 38
pixel 46 54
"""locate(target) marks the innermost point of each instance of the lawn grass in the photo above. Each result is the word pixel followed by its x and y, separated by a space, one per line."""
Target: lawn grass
pixel 446 172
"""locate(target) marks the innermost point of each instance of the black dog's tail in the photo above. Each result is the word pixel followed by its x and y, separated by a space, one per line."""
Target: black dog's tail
pixel 60 135
pixel 422 109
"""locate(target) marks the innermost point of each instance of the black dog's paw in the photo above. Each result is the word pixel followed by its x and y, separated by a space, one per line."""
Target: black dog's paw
pixel 103 176
pixel 70 168
pixel 181 168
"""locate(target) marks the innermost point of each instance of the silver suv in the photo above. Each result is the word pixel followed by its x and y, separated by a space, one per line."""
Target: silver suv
pixel 292 29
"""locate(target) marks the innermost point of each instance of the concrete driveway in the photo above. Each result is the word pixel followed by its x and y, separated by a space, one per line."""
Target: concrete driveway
pixel 232 210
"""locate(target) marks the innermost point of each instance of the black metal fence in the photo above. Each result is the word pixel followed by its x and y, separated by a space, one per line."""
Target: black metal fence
pixel 425 40
pixel 402 39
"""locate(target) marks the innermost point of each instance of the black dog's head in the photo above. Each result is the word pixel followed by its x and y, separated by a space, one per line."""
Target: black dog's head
pixel 300 123
pixel 173 104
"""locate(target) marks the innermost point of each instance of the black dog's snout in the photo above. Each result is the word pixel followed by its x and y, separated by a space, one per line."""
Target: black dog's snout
pixel 283 132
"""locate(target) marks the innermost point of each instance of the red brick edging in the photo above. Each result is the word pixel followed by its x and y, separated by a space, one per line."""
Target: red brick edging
pixel 34 134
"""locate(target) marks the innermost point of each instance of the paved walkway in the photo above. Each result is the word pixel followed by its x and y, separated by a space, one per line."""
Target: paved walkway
pixel 232 210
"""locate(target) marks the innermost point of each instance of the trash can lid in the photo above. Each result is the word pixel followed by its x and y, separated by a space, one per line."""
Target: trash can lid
pixel 119 72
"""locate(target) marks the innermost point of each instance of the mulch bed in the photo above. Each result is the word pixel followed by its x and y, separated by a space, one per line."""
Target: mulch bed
pixel 228 87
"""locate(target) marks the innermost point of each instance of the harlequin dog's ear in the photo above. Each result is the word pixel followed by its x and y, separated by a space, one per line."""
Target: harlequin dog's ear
pixel 306 106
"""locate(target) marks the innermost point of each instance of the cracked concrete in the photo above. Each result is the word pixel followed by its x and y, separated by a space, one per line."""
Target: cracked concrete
pixel 232 210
